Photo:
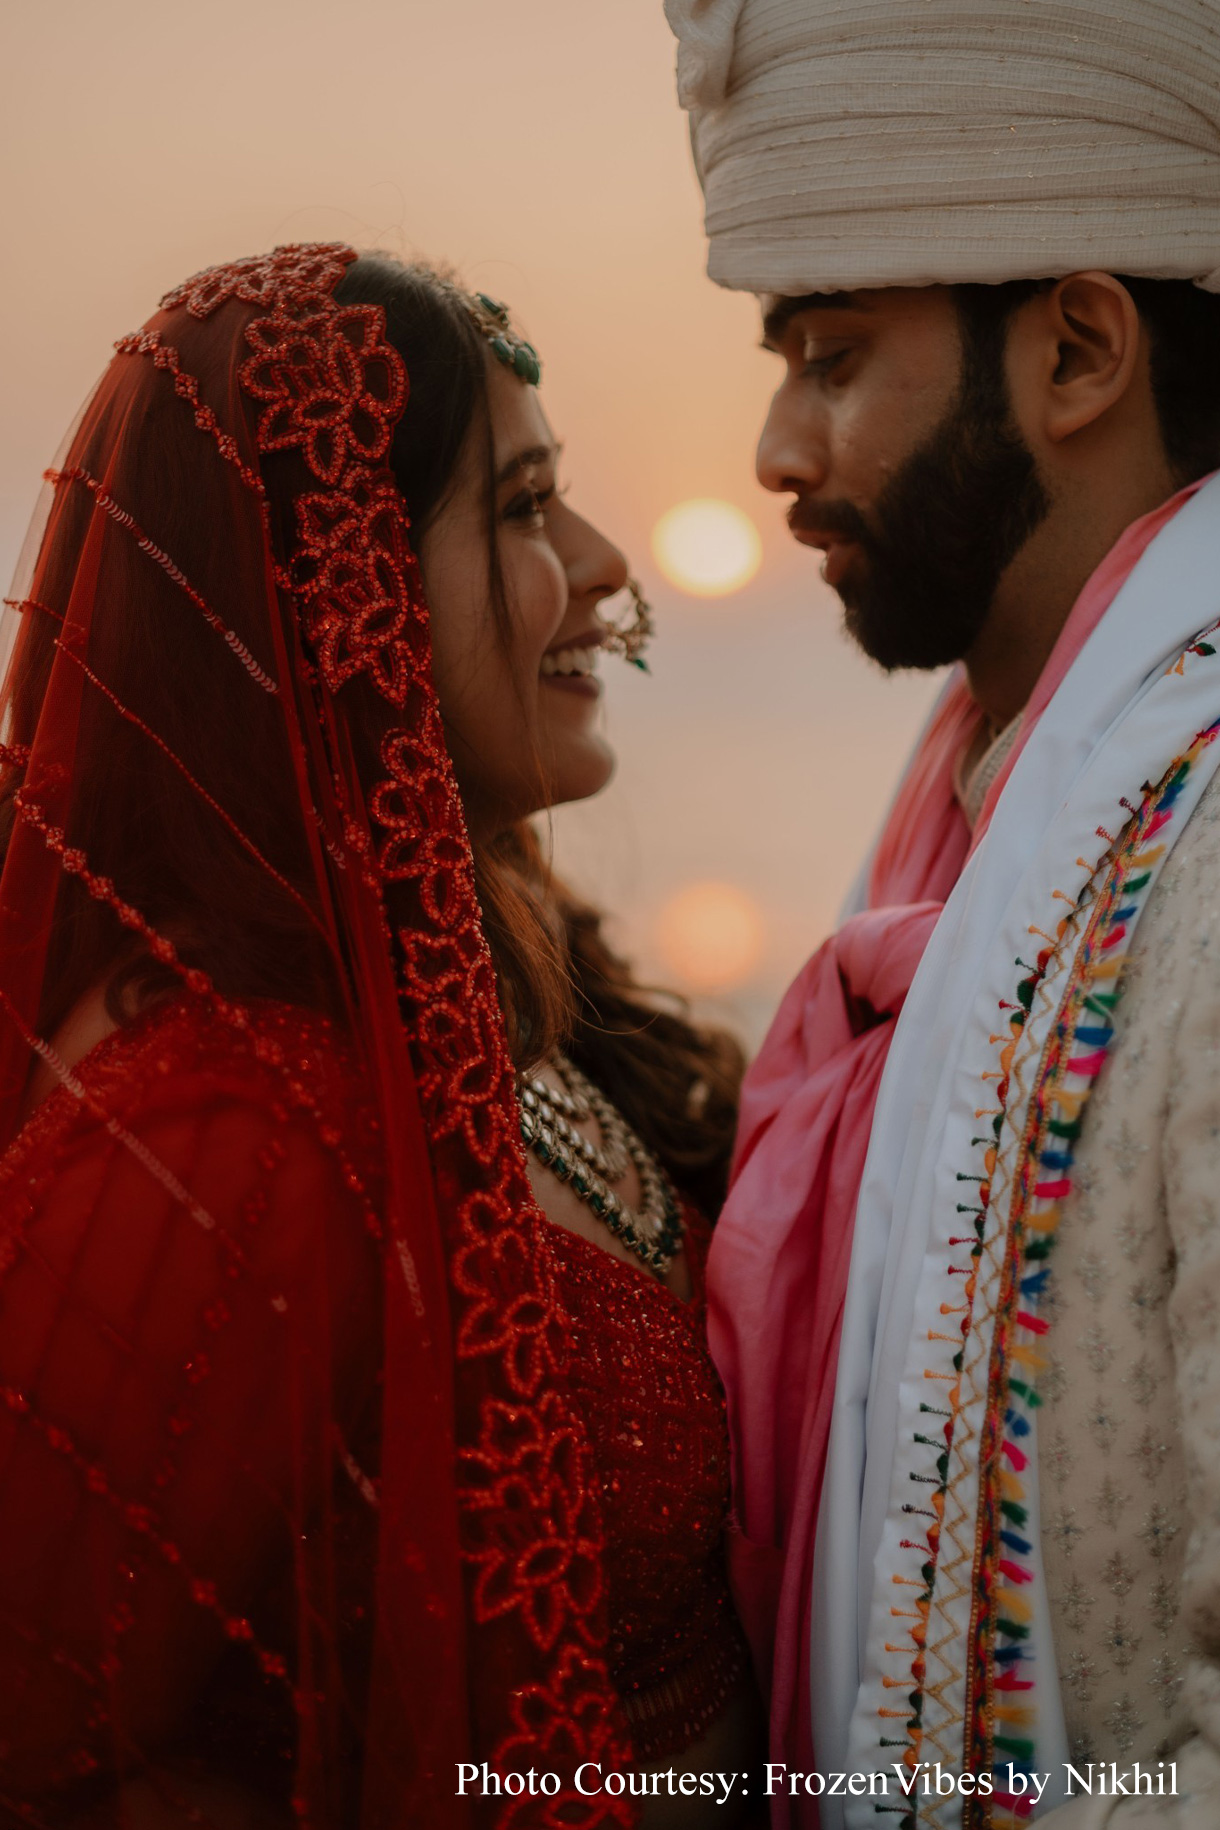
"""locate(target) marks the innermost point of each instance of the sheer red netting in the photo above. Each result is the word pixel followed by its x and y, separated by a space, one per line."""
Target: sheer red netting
pixel 289 1493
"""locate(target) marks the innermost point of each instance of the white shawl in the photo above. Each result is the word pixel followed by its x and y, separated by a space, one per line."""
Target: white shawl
pixel 1117 722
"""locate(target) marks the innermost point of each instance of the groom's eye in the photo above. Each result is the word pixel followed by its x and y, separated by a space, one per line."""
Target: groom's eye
pixel 822 359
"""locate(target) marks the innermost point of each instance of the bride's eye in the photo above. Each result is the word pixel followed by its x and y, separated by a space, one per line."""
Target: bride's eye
pixel 528 506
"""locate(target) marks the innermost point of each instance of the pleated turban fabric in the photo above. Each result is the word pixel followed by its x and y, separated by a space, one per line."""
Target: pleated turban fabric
pixel 857 143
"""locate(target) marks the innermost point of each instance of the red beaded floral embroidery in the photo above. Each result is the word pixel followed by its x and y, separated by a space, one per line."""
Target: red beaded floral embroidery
pixel 298 272
pixel 360 588
pixel 324 383
pixel 332 388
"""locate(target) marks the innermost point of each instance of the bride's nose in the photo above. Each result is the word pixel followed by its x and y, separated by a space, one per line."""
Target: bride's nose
pixel 594 565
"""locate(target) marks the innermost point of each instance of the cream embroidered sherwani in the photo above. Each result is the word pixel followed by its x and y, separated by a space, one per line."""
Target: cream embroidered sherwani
pixel 1129 1434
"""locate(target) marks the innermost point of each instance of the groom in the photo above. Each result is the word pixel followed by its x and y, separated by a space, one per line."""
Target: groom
pixel 966 1293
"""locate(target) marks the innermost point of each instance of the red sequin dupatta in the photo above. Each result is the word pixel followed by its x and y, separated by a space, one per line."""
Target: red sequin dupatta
pixel 292 1505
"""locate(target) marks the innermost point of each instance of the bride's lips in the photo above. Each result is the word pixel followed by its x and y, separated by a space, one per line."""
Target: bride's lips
pixel 584 685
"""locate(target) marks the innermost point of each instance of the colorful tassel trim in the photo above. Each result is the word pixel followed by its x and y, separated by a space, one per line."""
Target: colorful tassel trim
pixel 1075 1056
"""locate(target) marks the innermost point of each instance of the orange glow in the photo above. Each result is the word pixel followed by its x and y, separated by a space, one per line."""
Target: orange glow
pixel 706 547
pixel 711 936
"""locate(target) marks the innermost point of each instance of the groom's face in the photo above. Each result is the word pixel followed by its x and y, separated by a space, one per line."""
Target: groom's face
pixel 894 432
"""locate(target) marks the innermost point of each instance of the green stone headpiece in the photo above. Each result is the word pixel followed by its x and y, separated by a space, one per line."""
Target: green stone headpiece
pixel 491 320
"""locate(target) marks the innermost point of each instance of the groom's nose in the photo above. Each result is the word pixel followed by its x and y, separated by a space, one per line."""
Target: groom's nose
pixel 792 453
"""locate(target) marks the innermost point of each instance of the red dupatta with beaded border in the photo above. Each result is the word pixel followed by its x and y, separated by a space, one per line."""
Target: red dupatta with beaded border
pixel 225 602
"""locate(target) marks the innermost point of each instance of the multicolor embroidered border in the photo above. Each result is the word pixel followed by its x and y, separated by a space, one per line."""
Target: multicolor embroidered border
pixel 1051 962
pixel 1001 1650
pixel 1000 1629
pixel 1074 1055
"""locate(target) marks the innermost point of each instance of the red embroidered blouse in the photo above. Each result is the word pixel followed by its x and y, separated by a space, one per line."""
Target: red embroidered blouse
pixel 654 1408
pixel 148 1426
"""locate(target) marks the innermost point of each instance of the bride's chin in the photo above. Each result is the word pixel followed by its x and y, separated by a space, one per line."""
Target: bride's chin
pixel 582 772
pixel 577 774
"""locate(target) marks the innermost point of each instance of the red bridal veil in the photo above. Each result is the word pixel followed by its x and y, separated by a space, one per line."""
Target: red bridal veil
pixel 281 1389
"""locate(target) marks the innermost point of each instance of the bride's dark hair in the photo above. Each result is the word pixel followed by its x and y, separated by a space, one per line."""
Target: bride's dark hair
pixel 561 985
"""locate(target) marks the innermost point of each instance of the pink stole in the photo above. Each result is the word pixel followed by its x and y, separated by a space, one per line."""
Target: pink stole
pixel 777 1272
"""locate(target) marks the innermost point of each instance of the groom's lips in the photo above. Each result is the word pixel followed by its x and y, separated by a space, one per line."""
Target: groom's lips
pixel 838 551
pixel 838 547
pixel 838 558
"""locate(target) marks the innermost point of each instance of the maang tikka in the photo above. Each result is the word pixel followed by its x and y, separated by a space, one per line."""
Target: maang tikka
pixel 491 319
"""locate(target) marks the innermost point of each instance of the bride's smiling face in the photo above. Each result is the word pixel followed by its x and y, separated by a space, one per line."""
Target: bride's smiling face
pixel 520 693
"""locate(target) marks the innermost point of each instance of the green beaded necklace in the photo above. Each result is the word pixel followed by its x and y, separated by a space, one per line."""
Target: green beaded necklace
pixel 653 1231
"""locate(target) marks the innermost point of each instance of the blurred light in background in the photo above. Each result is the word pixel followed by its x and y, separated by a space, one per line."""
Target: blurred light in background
pixel 711 936
pixel 706 547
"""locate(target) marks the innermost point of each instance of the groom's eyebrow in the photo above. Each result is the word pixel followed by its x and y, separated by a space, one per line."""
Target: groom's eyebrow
pixel 526 460
pixel 780 313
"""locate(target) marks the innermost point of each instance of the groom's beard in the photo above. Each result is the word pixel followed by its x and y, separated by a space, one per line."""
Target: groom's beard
pixel 943 531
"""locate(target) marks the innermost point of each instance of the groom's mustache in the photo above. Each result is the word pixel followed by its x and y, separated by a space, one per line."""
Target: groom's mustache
pixel 821 522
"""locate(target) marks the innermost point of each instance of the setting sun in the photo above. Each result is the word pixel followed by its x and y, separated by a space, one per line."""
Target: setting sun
pixel 707 547
pixel 711 935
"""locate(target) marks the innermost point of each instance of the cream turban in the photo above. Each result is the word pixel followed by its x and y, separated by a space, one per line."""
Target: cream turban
pixel 846 143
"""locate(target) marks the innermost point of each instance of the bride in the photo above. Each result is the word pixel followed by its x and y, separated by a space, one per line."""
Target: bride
pixel 361 1459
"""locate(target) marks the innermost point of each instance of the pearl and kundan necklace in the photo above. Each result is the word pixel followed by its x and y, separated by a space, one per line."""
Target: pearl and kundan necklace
pixel 549 1118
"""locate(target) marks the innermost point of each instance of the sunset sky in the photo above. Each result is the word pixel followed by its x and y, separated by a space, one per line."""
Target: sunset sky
pixel 540 149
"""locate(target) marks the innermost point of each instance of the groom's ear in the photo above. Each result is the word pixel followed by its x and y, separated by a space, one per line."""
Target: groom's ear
pixel 1077 352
